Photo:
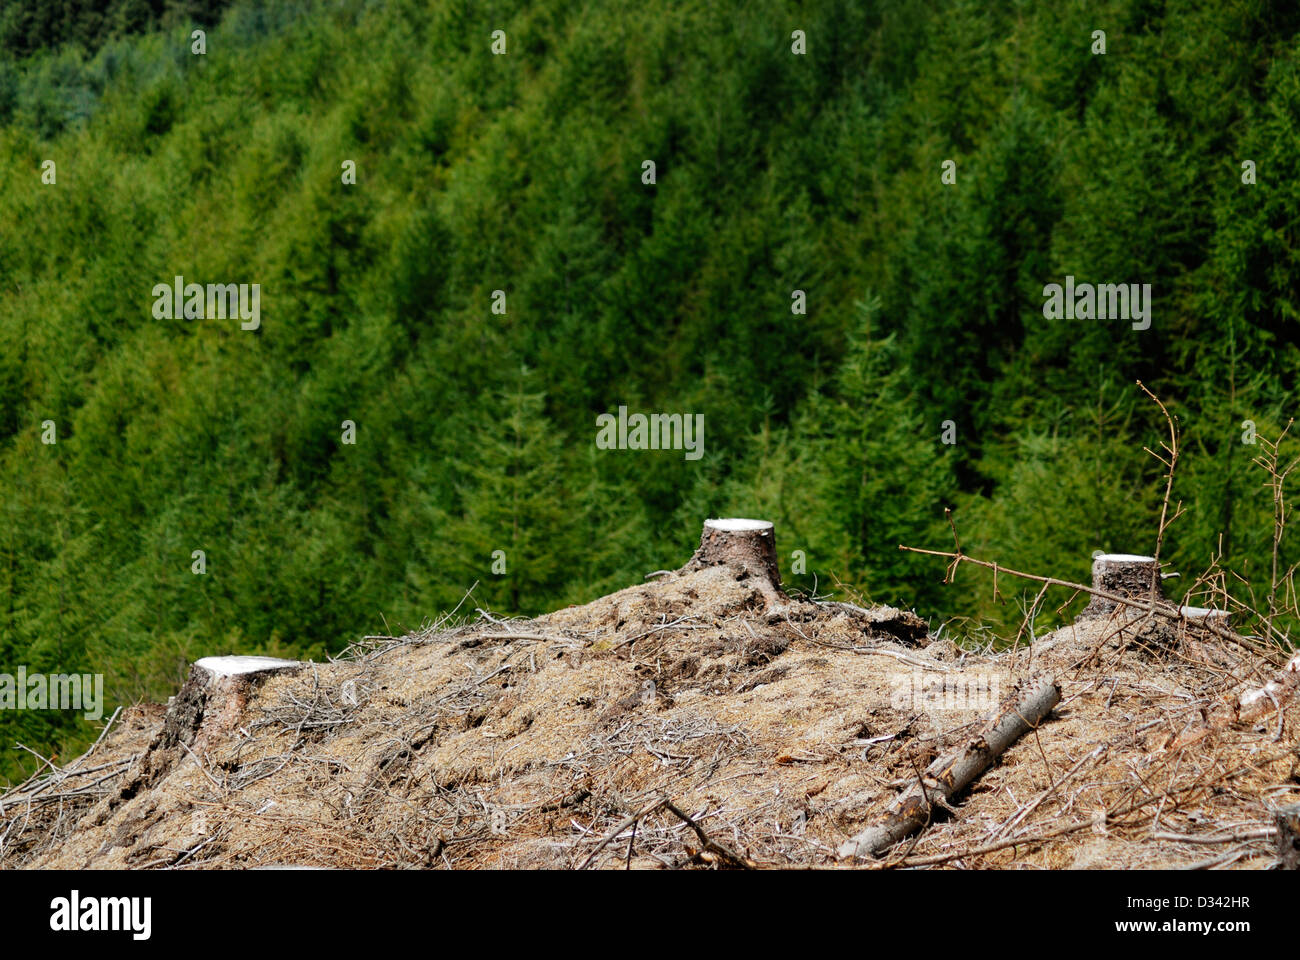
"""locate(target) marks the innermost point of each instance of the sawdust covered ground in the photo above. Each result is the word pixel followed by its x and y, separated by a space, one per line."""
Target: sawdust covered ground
pixel 778 732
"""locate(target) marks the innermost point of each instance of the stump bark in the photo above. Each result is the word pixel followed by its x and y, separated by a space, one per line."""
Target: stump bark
pixel 1124 574
pixel 746 545
pixel 214 696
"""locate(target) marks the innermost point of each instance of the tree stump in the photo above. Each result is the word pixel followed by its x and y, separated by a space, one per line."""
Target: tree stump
pixel 745 545
pixel 1288 837
pixel 214 696
pixel 1124 574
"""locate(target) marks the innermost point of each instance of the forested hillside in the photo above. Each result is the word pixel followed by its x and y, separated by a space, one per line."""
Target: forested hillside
pixel 28 26
pixel 474 415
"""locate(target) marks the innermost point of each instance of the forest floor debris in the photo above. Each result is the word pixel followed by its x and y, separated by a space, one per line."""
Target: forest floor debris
pixel 695 720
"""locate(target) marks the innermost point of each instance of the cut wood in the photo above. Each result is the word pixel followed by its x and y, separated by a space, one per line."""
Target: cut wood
pixel 215 694
pixel 1253 706
pixel 1125 574
pixel 952 772
pixel 239 666
pixel 749 546
pixel 1207 616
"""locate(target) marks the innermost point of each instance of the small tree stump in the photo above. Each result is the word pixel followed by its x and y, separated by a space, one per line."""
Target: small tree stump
pixel 1288 836
pixel 747 545
pixel 1124 574
pixel 214 696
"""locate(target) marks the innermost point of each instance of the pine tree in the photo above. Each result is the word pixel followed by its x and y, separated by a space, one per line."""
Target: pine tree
pixel 860 472
pixel 513 508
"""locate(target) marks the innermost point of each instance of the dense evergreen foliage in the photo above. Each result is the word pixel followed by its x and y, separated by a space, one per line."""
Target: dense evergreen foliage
pixel 475 429
pixel 27 26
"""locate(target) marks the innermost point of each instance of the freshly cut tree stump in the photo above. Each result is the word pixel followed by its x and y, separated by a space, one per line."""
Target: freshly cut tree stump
pixel 241 666
pixel 952 772
pixel 1125 574
pixel 1288 837
pixel 214 696
pixel 747 545
pixel 744 543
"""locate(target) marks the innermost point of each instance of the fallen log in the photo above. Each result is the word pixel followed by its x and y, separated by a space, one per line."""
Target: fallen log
pixel 1025 709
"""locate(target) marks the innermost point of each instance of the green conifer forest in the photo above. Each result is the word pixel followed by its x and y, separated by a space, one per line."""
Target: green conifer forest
pixel 837 258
